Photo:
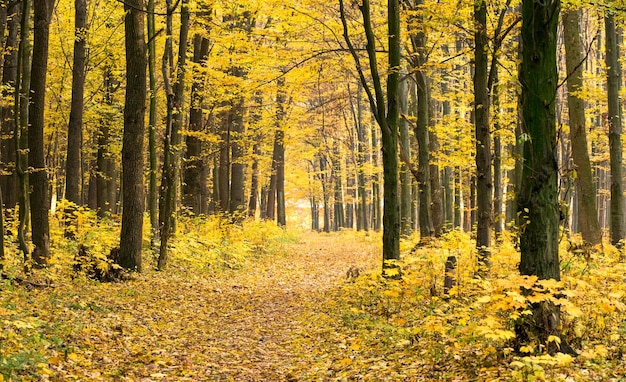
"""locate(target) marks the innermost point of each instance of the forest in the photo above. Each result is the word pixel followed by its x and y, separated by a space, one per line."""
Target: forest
pixel 281 190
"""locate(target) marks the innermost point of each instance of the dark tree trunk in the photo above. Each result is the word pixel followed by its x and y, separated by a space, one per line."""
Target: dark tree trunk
pixel 339 213
pixel 172 150
pixel 615 129
pixel 132 141
pixel 588 211
pixel 237 189
pixel 386 111
pixel 21 126
pixel 375 212
pixel 40 203
pixel 9 180
pixel 484 185
pixel 435 186
pixel 105 165
pixel 194 170
pixel 538 199
pixel 361 159
pixel 153 198
pixel 75 126
pixel 276 195
pixel 325 193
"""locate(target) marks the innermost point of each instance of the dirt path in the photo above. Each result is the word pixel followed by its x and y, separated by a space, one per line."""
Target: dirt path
pixel 258 330
pixel 175 326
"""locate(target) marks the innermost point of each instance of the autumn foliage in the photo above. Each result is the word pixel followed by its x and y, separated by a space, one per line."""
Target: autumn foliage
pixel 257 303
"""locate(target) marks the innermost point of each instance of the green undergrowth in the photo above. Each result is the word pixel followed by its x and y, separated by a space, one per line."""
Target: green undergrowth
pixel 409 330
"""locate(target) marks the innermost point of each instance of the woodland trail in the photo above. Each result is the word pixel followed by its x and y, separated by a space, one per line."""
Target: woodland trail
pixel 254 336
pixel 236 325
pixel 256 332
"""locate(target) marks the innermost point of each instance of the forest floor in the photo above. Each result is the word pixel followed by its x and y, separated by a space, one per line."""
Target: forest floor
pixel 290 312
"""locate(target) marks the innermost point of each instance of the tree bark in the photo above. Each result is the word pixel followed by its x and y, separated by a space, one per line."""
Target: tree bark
pixel 405 173
pixel 419 59
pixel 132 141
pixel 588 211
pixel 484 185
pixel 105 165
pixel 153 198
pixel 9 180
pixel 20 136
pixel 75 126
pixel 615 130
pixel 194 170
pixel 173 148
pixel 40 203
pixel 538 199
pixel 386 112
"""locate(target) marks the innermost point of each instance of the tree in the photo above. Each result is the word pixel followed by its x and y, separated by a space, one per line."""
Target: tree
pixel 418 60
pixel 615 129
pixel 132 141
pixel 153 203
pixel 276 193
pixel 8 121
pixel 75 126
pixel 386 113
pixel 173 139
pixel 194 169
pixel 40 203
pixel 538 198
pixel 484 181
pixel 586 194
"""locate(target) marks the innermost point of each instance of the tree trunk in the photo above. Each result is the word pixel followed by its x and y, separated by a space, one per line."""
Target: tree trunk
pixel 538 199
pixel 361 159
pixel 21 126
pixel 237 194
pixel 132 141
pixel 435 185
pixel 75 126
pixel 418 42
pixel 615 129
pixel 405 173
pixel 339 220
pixel 9 180
pixel 105 165
pixel 40 203
pixel 276 196
pixel 153 202
pixel 484 185
pixel 172 150
pixel 588 211
pixel 498 215
pixel 194 170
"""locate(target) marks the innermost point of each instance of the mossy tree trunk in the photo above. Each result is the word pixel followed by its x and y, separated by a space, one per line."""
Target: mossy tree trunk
pixel 538 198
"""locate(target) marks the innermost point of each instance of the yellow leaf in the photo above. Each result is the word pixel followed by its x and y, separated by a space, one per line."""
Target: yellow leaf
pixel 517 364
pixel 555 339
pixel 573 310
pixel 392 293
pixel 484 299
pixel 526 349
pixel 615 337
pixel 400 321
pixel 346 361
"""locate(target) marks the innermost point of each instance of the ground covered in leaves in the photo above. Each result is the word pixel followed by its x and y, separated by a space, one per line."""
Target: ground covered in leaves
pixel 260 304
